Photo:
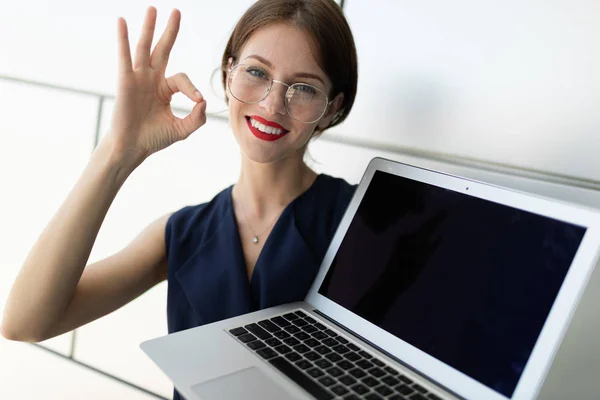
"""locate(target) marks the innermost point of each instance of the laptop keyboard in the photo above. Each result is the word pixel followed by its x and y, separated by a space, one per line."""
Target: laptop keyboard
pixel 324 363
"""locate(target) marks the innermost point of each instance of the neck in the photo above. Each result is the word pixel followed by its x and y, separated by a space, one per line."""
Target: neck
pixel 266 189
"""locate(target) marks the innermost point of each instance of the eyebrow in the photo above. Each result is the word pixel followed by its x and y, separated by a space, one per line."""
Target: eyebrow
pixel 298 75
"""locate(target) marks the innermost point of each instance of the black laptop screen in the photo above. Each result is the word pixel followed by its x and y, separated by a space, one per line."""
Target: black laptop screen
pixel 466 280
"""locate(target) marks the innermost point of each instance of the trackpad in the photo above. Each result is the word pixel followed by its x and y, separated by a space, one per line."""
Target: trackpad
pixel 251 384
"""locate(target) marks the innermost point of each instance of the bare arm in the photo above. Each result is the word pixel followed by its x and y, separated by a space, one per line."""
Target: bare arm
pixel 48 280
pixel 54 292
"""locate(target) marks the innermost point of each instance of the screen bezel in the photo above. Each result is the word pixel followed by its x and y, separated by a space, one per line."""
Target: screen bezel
pixel 560 314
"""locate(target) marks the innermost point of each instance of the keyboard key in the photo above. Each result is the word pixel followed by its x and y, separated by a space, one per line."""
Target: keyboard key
pixel 373 396
pixel 283 349
pixel 330 341
pixel 315 372
pixel 390 380
pixel 266 353
pixel 299 322
pixel 345 365
pixel 293 356
pixel 323 363
pixel 310 320
pixel 312 342
pixel 353 347
pixel 335 372
pixel 281 335
pixel 291 341
pixel 403 389
pixel 282 322
pixel 434 397
pixel 377 372
pixel 322 349
pixel 341 349
pixel 326 381
pixel 352 397
pixel 417 396
pixel 238 331
pixel 246 337
pixel 334 357
pixel 391 371
pixel 256 345
pixel 320 335
pixel 309 329
pixel 320 326
pixel 357 373
pixel 302 380
pixel 353 357
pixel 290 316
pixel 377 362
pixel 339 390
pixel 273 342
pixel 347 380
pixel 370 381
pixel 330 332
pixel 397 397
pixel 258 331
pixel 419 388
pixel 383 390
pixel 364 364
pixel 301 348
pixel 366 355
pixel 303 364
pixel 301 314
pixel 301 336
pixel 312 356
pixel 292 329
pixel 269 326
pixel 405 379
pixel 360 389
pixel 342 340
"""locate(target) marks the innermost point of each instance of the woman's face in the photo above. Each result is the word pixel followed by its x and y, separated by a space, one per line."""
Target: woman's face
pixel 282 52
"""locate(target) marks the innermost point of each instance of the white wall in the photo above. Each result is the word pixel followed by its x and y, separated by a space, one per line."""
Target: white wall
pixel 469 79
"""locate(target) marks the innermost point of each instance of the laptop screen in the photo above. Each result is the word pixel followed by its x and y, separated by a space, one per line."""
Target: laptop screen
pixel 466 280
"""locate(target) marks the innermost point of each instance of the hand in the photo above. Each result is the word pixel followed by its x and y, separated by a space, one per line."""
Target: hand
pixel 143 122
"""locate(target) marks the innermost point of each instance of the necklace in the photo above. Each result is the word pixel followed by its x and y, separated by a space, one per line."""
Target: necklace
pixel 254 235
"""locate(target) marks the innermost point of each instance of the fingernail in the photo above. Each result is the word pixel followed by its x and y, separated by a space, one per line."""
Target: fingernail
pixel 197 94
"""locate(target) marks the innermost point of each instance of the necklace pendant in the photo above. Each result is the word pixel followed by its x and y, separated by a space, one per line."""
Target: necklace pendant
pixel 255 239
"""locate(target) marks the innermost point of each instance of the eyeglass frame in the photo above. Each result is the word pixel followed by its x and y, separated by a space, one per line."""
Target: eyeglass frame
pixel 268 91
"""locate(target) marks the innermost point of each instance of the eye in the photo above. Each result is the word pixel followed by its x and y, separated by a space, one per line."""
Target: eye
pixel 256 72
pixel 306 89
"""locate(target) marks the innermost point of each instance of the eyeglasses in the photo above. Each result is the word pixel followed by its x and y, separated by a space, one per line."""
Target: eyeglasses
pixel 251 84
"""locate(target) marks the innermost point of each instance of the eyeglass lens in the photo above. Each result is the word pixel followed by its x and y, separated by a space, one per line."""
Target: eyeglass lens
pixel 250 84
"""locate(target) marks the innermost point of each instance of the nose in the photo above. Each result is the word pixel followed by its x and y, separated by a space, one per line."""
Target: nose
pixel 274 103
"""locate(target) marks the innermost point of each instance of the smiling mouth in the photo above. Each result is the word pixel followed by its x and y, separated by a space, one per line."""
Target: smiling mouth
pixel 265 130
pixel 270 128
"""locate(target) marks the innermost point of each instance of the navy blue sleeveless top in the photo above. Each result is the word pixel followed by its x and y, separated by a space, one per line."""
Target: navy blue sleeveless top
pixel 207 276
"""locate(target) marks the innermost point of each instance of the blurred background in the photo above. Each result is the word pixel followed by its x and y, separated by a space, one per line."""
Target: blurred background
pixel 503 92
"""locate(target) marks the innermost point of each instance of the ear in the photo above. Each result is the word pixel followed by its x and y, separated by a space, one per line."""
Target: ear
pixel 333 109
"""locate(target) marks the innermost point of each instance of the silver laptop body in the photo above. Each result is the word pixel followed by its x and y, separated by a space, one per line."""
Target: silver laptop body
pixel 433 287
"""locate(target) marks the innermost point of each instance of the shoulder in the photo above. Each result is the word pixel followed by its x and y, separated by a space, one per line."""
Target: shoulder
pixel 196 222
pixel 320 211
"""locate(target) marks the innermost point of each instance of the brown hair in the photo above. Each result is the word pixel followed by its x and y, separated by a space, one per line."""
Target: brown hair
pixel 333 42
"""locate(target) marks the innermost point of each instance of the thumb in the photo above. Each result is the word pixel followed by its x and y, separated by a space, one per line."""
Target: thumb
pixel 193 120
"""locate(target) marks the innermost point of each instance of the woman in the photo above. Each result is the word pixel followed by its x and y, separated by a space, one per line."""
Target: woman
pixel 290 73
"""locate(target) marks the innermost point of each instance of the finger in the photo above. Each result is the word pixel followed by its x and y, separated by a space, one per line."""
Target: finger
pixel 193 121
pixel 142 52
pixel 160 54
pixel 124 51
pixel 182 83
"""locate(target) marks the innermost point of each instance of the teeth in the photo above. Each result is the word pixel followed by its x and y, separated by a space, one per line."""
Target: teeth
pixel 265 129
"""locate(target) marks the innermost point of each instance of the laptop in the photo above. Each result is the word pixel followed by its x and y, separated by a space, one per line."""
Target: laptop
pixel 433 287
